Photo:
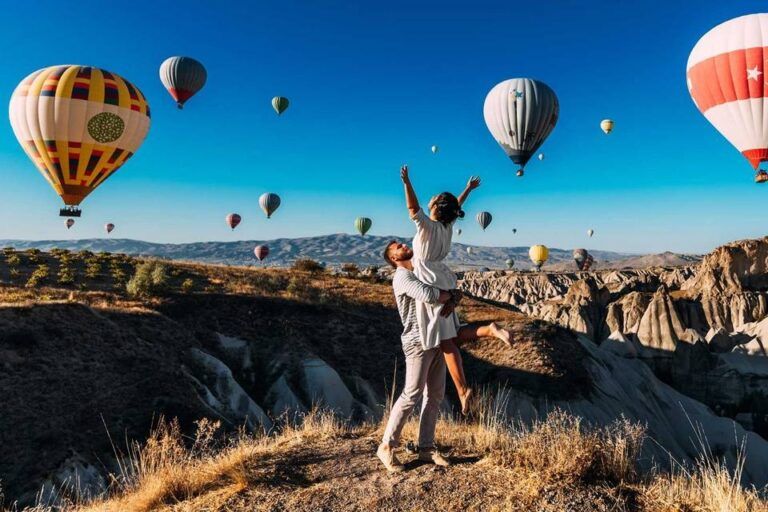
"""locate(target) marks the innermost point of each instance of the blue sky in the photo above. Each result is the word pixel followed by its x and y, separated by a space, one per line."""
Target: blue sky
pixel 375 84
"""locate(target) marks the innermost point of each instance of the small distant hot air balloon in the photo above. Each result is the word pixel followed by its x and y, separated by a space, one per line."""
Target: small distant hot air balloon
pixel 538 255
pixel 520 114
pixel 435 149
pixel 269 202
pixel 261 252
pixel 484 219
pixel 520 173
pixel 541 156
pixel 583 259
pixel 78 125
pixel 280 104
pixel 363 224
pixel 183 77
pixel 233 220
pixel 514 230
pixel 469 251
pixel 458 232
pixel 606 125
pixel 109 227
pixel 590 232
pixel 69 223
pixel 510 263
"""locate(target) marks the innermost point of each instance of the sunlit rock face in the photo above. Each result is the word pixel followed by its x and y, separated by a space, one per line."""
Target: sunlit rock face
pixel 699 327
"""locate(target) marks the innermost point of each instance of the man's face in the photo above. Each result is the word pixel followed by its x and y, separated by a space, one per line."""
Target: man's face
pixel 400 252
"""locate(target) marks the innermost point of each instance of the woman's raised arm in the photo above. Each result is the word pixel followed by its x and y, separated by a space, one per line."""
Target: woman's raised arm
pixel 472 184
pixel 410 196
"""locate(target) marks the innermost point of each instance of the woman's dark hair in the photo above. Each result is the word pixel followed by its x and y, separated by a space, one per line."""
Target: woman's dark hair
pixel 446 208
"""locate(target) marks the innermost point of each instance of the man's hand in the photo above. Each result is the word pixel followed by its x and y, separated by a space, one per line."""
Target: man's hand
pixel 447 309
pixel 473 183
pixel 456 296
pixel 404 173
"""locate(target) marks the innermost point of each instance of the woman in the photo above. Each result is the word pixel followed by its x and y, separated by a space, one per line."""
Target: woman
pixel 431 245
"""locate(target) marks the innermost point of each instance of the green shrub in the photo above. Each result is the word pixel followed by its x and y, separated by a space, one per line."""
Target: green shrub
pixel 350 269
pixel 272 283
pixel 13 260
pixel 151 278
pixel 308 265
pixel 38 276
pixel 301 288
pixel 8 250
pixel 92 268
pixel 187 285
pixel 33 255
pixel 66 275
pixel 118 275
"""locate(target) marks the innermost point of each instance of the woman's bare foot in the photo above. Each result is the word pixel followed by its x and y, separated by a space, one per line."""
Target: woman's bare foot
pixel 465 399
pixel 501 334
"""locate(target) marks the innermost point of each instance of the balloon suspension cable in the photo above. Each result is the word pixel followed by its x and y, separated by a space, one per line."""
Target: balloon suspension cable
pixel 70 211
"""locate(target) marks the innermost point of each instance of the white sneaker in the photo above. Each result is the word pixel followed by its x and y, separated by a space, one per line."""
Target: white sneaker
pixel 433 456
pixel 387 456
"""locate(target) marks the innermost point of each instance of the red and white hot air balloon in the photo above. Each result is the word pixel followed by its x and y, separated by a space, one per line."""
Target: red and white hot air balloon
pixel 233 220
pixel 726 80
pixel 109 227
pixel 261 252
pixel 69 223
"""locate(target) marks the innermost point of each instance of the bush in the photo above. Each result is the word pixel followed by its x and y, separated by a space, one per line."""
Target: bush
pixel 33 255
pixel 38 276
pixel 187 285
pixel 66 275
pixel 308 265
pixel 301 288
pixel 271 283
pixel 13 260
pixel 151 278
pixel 92 268
pixel 350 269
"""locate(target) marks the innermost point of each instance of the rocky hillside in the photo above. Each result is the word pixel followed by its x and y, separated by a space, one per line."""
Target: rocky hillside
pixel 87 367
pixel 333 250
pixel 701 328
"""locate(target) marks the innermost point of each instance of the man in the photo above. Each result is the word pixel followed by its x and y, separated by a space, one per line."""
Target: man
pixel 424 369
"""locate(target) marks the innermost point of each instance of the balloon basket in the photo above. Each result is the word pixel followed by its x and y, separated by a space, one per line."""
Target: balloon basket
pixel 761 177
pixel 70 211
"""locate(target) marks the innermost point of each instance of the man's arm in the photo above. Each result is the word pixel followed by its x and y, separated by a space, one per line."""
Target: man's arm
pixel 409 284
pixel 472 184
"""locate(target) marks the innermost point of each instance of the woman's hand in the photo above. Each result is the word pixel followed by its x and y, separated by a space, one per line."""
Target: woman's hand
pixel 404 173
pixel 473 183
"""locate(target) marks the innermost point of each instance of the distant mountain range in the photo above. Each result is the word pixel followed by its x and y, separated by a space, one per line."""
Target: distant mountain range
pixel 337 249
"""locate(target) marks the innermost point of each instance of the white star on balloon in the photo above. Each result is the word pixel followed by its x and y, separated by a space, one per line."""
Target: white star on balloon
pixel 753 74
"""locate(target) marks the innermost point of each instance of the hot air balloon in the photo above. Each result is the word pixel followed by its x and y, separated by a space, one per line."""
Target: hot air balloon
pixel 541 157
pixel 726 80
pixel 109 227
pixel 514 230
pixel 458 232
pixel 280 104
pixel 269 202
pixel 469 251
pixel 233 220
pixel 590 232
pixel 435 149
pixel 183 77
pixel 520 113
pixel 520 173
pixel 484 219
pixel 363 224
pixel 261 252
pixel 606 125
pixel 510 263
pixel 78 124
pixel 69 223
pixel 583 259
pixel 538 255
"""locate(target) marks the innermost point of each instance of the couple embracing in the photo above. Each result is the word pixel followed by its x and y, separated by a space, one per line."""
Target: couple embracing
pixel 426 296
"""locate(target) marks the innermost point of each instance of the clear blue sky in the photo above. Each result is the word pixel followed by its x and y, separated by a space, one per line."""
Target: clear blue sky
pixel 375 84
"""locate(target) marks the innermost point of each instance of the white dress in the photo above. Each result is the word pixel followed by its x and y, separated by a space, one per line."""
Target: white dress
pixel 430 247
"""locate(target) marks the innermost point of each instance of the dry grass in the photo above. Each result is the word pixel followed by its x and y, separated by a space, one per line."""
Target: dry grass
pixel 555 464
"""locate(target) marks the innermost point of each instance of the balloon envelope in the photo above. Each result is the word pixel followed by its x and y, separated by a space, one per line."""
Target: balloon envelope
pixel 261 252
pixel 510 263
pixel 582 258
pixel 363 224
pixel 79 125
pixel 109 227
pixel 539 255
pixel 484 219
pixel 233 220
pixel 606 125
pixel 69 223
pixel 434 149
pixel 269 202
pixel 541 156
pixel 726 79
pixel 590 232
pixel 469 250
pixel 520 113
pixel 458 232
pixel 280 104
pixel 183 77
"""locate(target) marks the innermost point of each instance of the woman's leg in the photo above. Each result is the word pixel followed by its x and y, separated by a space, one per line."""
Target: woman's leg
pixel 456 369
pixel 472 332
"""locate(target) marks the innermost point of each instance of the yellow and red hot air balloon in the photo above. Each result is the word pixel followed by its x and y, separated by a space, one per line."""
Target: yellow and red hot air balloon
pixel 78 124
pixel 726 79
